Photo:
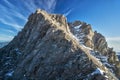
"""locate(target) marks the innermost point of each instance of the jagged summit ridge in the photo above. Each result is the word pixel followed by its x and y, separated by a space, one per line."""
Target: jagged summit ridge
pixel 47 49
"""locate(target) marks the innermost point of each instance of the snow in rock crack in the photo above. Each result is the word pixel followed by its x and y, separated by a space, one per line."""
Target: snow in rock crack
pixel 77 27
pixel 98 71
pixel 10 73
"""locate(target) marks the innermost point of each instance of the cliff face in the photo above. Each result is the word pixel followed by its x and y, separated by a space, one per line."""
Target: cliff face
pixel 47 50
pixel 96 42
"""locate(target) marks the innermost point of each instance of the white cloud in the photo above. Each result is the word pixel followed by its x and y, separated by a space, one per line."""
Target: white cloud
pixel 11 11
pixel 68 12
pixel 8 14
pixel 5 37
pixel 50 5
pixel 29 5
pixel 113 38
pixel 7 30
pixel 14 25
pixel 114 42
pixel 11 5
pixel 17 14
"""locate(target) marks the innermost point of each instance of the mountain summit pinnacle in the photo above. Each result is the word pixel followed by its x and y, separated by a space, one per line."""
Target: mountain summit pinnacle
pixel 38 10
pixel 49 48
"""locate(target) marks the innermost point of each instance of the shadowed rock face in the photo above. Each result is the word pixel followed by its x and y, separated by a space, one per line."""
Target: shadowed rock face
pixel 47 50
pixel 100 43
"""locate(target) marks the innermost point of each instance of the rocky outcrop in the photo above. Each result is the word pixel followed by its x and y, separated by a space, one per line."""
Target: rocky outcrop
pixel 100 43
pixel 47 50
pixel 90 38
pixel 83 31
pixel 95 42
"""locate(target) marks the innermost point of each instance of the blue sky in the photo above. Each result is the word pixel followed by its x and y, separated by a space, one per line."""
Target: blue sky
pixel 103 15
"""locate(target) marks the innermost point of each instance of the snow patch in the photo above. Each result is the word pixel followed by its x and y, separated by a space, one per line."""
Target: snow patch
pixel 10 73
pixel 17 51
pixel 77 28
pixel 98 71
pixel 87 47
pixel 74 37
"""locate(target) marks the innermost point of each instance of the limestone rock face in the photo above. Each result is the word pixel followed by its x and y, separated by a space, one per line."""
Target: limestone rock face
pixel 84 32
pixel 88 37
pixel 47 50
pixel 97 43
pixel 100 43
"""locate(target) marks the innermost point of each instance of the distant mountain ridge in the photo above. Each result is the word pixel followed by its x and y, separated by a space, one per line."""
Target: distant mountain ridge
pixel 50 48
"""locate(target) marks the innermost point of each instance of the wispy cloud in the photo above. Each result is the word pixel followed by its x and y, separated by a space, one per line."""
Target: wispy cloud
pixel 5 37
pixel 7 30
pixel 11 11
pixel 14 13
pixel 17 14
pixel 51 5
pixel 113 38
pixel 68 12
pixel 8 14
pixel 32 5
pixel 29 4
pixel 7 17
pixel 14 25
pixel 8 3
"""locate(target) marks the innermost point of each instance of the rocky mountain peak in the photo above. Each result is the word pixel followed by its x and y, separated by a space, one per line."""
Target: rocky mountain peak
pixel 39 11
pixel 49 48
pixel 52 18
pixel 75 23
